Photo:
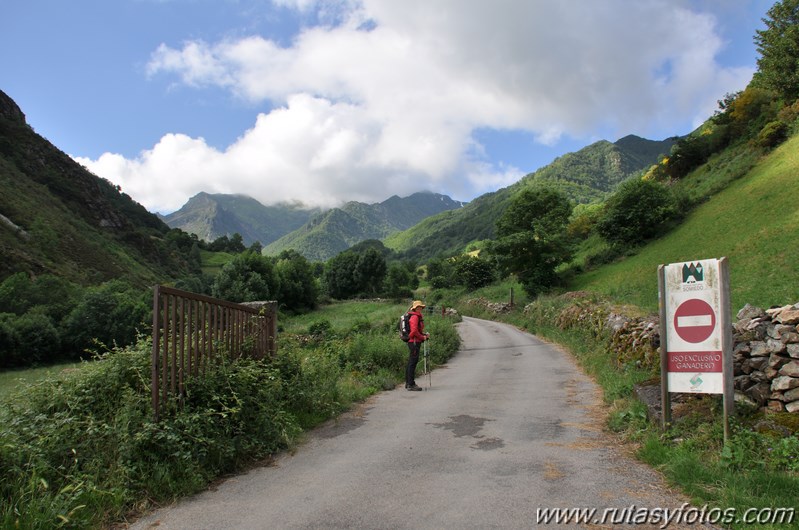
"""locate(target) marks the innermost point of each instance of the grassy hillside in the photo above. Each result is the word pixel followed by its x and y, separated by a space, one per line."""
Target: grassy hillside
pixel 449 232
pixel 752 220
pixel 59 218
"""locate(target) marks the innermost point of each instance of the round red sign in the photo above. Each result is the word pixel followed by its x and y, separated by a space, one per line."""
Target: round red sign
pixel 694 320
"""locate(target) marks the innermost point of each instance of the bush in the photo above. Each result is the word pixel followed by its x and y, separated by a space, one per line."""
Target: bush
pixel 772 135
pixel 473 272
pixel 28 340
pixel 81 450
pixel 111 314
pixel 638 211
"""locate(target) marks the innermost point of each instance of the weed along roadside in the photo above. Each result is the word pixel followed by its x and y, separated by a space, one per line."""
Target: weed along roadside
pixel 80 449
pixel 618 346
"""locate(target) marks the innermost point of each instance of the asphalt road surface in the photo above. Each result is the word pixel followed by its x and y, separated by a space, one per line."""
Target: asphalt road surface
pixel 510 426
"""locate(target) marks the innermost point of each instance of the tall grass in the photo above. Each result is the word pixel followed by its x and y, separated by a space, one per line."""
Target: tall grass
pixel 79 448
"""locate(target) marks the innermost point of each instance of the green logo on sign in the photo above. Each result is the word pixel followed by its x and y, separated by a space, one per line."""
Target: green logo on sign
pixel 696 380
pixel 692 273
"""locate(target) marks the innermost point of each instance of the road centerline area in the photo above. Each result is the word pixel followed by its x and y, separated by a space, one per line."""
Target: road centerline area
pixel 511 426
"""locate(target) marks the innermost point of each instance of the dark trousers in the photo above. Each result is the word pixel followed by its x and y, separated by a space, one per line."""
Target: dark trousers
pixel 413 360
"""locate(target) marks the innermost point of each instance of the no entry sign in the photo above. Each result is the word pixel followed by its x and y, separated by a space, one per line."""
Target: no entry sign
pixel 696 333
pixel 694 320
pixel 693 334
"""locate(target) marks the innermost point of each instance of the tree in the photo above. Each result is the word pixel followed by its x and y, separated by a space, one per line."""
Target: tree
pixel 532 238
pixel 637 212
pixel 584 219
pixel 236 243
pixel 298 289
pixel 440 273
pixel 56 296
pixel 400 281
pixel 220 244
pixel 256 247
pixel 111 313
pixel 349 274
pixel 371 272
pixel 778 45
pixel 341 275
pixel 246 278
pixel 473 272
pixel 38 339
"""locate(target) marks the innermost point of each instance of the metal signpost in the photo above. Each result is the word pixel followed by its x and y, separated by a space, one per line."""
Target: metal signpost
pixel 696 333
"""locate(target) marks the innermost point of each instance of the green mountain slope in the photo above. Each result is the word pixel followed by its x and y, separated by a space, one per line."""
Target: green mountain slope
pixel 57 217
pixel 336 230
pixel 210 216
pixel 753 221
pixel 587 175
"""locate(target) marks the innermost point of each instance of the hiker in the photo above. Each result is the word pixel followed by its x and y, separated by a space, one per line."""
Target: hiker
pixel 416 337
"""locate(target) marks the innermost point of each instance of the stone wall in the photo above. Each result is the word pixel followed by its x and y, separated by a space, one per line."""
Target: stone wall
pixel 766 356
pixel 765 347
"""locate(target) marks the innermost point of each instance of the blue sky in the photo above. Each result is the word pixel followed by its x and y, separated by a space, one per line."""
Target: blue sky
pixel 324 102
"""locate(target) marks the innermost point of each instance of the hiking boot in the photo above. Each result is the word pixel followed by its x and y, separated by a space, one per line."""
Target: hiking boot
pixel 413 388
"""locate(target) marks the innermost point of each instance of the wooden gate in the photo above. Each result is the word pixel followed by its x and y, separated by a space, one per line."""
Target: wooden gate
pixel 191 330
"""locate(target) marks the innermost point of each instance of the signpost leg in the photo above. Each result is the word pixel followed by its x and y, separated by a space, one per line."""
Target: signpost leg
pixel 726 345
pixel 665 400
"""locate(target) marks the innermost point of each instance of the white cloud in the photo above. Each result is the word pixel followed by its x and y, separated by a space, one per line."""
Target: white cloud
pixel 356 110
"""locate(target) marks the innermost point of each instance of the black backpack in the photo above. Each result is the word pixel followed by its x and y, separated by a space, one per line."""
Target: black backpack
pixel 405 327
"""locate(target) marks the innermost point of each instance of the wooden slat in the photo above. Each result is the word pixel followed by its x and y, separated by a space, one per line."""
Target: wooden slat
pixel 190 330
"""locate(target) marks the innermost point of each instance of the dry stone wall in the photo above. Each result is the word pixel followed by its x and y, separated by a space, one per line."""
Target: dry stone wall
pixel 766 356
pixel 765 347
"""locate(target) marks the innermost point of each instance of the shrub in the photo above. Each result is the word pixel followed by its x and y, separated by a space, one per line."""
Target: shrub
pixel 772 135
pixel 111 314
pixel 638 211
pixel 28 339
pixel 473 272
pixel 82 448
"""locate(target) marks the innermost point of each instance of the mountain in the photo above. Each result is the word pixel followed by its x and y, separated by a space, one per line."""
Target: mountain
pixel 210 216
pixel 56 217
pixel 591 173
pixel 587 175
pixel 333 231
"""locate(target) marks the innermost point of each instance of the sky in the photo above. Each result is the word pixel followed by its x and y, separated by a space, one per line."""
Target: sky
pixel 323 102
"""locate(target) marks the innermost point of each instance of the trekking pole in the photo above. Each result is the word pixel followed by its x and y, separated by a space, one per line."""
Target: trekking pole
pixel 429 373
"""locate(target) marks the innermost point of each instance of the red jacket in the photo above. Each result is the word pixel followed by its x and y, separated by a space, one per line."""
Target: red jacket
pixel 417 327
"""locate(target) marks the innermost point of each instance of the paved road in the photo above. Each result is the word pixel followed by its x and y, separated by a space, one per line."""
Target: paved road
pixel 509 425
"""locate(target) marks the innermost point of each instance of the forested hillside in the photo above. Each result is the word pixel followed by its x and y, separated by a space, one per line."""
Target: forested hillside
pixel 587 175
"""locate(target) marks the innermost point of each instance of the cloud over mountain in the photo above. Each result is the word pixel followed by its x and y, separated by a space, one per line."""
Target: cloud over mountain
pixel 377 94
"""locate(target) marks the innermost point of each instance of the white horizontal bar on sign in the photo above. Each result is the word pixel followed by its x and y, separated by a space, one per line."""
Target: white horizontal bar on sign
pixel 695 320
